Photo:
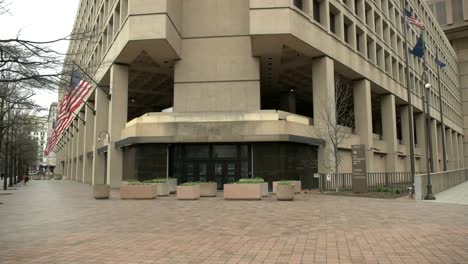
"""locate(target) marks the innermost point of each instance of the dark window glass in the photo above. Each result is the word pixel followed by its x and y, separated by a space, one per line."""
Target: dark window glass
pixel 332 23
pixel 224 151
pixel 316 10
pixel 197 152
pixel 298 4
pixel 346 33
pixel 244 152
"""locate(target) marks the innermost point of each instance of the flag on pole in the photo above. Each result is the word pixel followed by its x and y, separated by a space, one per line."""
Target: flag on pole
pixel 72 101
pixel 418 49
pixel 439 62
pixel 413 20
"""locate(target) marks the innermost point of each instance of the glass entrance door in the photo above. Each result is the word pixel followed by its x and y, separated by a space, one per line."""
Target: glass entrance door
pixel 225 172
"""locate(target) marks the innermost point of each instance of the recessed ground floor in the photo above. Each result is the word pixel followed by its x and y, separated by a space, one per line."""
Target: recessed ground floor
pixel 222 162
pixel 59 222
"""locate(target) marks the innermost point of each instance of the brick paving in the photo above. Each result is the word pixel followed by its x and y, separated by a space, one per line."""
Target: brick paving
pixel 59 222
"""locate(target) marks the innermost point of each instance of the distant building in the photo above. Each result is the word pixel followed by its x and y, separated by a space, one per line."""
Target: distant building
pixel 50 159
pixel 452 15
pixel 40 137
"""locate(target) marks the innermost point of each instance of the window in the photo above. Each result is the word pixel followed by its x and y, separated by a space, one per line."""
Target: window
pixel 332 23
pixel 298 4
pixel 316 4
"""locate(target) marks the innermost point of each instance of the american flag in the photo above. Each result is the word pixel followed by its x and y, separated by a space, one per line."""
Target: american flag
pixel 413 20
pixel 72 101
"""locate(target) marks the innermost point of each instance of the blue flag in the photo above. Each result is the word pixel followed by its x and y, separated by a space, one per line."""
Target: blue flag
pixel 418 49
pixel 438 62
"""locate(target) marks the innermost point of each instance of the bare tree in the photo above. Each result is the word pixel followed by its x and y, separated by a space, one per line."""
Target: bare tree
pixel 337 116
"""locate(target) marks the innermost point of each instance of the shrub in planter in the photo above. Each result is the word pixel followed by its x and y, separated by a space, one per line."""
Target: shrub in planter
pixel 208 189
pixel 285 191
pixel 259 180
pixel 162 187
pixel 101 191
pixel 243 190
pixel 172 182
pixel 297 186
pixel 188 191
pixel 137 190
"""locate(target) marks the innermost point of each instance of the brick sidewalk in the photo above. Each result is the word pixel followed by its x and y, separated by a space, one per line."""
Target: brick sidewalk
pixel 59 222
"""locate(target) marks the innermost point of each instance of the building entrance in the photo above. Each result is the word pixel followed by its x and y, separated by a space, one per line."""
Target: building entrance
pixel 220 163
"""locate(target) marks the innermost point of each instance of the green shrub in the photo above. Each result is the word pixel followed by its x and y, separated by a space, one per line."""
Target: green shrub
pixel 385 189
pixel 159 180
pixel 248 181
pixel 251 180
pixel 379 189
pixel 190 184
pixel 397 191
pixel 285 183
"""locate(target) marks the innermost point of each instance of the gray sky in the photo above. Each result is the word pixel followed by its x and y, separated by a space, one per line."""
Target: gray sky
pixel 40 20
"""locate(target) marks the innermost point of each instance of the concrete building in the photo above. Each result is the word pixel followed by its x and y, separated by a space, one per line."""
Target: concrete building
pixel 452 15
pixel 51 158
pixel 40 137
pixel 223 89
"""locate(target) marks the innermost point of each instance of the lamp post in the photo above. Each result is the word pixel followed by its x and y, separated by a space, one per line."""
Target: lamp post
pixel 430 165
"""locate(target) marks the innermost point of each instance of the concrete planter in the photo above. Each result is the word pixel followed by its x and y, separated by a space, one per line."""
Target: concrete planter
pixel 247 191
pixel 101 191
pixel 57 177
pixel 297 186
pixel 208 189
pixel 265 189
pixel 162 189
pixel 172 182
pixel 138 191
pixel 285 192
pixel 189 192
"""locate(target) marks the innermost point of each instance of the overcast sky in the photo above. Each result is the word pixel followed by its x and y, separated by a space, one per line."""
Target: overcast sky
pixel 40 20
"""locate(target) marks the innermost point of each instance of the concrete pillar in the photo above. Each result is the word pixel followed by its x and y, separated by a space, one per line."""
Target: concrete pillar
pixel 100 125
pixel 88 144
pixel 288 101
pixel 117 120
pixel 74 149
pixel 460 148
pixel 435 149
pixel 455 151
pixel 389 131
pixel 69 155
pixel 449 148
pixel 421 139
pixel 79 148
pixel 323 85
pixel 405 135
pixel 363 118
pixel 440 161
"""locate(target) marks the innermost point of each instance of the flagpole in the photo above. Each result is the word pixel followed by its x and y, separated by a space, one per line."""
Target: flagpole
pixel 430 160
pixel 410 105
pixel 441 110
pixel 91 78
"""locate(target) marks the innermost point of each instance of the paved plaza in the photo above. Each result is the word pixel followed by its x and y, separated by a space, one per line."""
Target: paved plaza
pixel 60 222
pixel 454 195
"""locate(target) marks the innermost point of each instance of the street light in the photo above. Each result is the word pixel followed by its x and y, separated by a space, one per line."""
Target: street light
pixel 430 159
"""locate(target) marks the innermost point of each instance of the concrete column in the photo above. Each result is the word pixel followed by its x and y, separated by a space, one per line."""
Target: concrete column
pixel 455 151
pixel 79 149
pixel 421 138
pixel 389 131
pixel 405 135
pixel 74 150
pixel 323 85
pixel 88 144
pixel 440 161
pixel 462 151
pixel 363 118
pixel 69 156
pixel 449 148
pixel 100 124
pixel 288 101
pixel 117 120
pixel 435 149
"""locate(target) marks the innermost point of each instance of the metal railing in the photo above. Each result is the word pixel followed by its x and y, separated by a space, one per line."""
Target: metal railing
pixel 375 181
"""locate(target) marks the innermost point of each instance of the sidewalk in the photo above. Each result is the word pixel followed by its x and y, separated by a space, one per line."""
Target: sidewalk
pixel 454 195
